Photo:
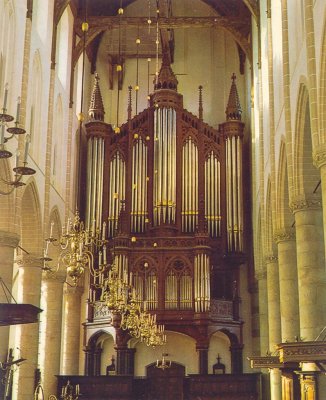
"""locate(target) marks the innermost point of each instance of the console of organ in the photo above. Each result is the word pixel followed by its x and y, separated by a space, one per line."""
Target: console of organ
pixel 173 183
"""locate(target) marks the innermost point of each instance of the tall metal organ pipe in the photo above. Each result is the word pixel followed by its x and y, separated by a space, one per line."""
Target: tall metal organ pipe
pixel 94 194
pixel 202 283
pixel 164 192
pixel 189 210
pixel 139 211
pixel 117 193
pixel 234 193
pixel 213 195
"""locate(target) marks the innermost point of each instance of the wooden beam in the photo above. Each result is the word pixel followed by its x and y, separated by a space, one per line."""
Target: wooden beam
pixel 107 22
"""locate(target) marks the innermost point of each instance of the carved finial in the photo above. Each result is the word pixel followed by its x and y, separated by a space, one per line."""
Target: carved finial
pixel 233 110
pixel 200 109
pixel 96 109
pixel 166 78
pixel 129 102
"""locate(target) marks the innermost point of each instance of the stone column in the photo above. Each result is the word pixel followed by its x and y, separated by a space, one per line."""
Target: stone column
pixel 273 298
pixel 274 321
pixel 319 158
pixel 27 336
pixel 261 277
pixel 71 330
pixel 311 266
pixel 8 242
pixel 50 331
pixel 289 298
pixel 276 384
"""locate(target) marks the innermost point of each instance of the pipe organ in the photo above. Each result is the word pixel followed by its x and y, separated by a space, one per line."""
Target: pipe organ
pixel 170 189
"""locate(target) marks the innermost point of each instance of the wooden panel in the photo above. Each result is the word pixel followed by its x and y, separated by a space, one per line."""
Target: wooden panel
pixel 101 387
pixel 170 384
pixel 165 384
pixel 223 387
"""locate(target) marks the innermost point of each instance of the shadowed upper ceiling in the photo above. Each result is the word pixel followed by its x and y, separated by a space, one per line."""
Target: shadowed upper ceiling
pixel 234 16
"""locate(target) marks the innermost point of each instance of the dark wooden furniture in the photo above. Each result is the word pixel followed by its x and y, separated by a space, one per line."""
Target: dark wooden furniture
pixel 170 384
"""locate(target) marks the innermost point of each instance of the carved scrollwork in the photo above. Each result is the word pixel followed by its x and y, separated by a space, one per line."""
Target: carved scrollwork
pixel 319 157
pixel 284 235
pixel 101 311
pixel 271 258
pixel 302 203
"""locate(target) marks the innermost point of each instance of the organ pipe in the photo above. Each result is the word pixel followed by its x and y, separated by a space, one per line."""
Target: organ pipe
pixel 171 291
pixel 213 195
pixel 94 194
pixel 117 176
pixel 185 292
pixel 151 291
pixel 164 192
pixel 189 210
pixel 202 283
pixel 234 193
pixel 139 190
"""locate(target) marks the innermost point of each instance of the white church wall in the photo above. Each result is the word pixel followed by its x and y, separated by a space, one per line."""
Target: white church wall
pixel 174 347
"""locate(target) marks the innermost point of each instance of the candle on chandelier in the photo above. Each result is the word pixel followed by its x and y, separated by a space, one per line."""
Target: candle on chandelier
pixel 68 225
pixel 5 97
pixel 18 110
pixel 103 230
pixel 27 143
pixel 51 229
pixel 104 255
pixel 17 157
pixel 2 136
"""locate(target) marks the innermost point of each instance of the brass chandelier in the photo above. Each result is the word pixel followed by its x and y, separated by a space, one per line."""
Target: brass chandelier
pixel 119 295
pixel 78 246
pixel 19 170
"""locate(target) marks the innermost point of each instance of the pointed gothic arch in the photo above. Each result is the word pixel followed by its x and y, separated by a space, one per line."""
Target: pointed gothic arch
pixel 306 176
pixel 31 226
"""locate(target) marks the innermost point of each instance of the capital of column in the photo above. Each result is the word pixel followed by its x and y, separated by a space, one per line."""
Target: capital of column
pixel 52 276
pixel 319 156
pixel 271 258
pixel 302 203
pixel 284 235
pixel 8 239
pixel 28 260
